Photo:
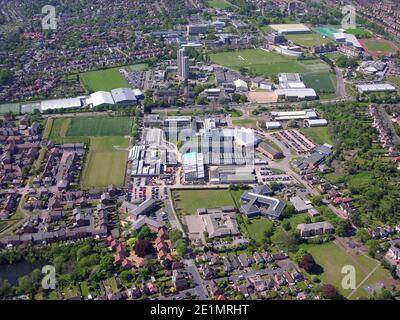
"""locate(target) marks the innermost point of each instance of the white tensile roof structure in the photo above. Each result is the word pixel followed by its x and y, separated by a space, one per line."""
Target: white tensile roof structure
pixel 100 98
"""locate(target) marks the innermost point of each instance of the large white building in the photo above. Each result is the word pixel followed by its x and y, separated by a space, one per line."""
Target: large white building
pixel 376 87
pixel 290 28
pixel 296 94
pixel 67 103
pixel 347 39
pixel 100 98
pixel 123 96
pixel 294 115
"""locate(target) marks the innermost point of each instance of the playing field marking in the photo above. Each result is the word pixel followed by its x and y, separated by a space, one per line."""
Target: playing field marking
pixel 241 58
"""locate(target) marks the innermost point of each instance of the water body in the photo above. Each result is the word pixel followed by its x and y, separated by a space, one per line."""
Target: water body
pixel 12 272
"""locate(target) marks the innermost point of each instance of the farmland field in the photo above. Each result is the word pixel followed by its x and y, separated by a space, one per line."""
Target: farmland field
pixel 107 126
pixel 308 40
pixel 187 202
pixel 266 63
pixel 320 82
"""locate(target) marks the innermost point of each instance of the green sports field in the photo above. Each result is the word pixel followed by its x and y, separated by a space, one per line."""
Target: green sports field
pixel 308 40
pixel 378 45
pixel 321 82
pixel 107 126
pixel 108 146
pixel 107 79
pixel 187 202
pixel 266 63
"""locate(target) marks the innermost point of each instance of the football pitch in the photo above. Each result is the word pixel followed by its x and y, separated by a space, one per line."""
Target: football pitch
pixel 266 63
pixel 107 126
pixel 108 79
pixel 320 82
pixel 108 146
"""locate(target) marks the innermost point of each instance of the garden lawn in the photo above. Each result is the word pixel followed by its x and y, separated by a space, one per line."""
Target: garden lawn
pixel 187 202
pixel 219 4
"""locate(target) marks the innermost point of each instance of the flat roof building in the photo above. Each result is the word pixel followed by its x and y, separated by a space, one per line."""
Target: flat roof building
pixel 193 166
pixel 61 104
pixel 100 98
pixel 316 122
pixel 290 28
pixel 123 96
pixel 376 87
pixel 296 94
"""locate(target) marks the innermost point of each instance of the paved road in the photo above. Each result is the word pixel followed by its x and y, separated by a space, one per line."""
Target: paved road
pixel 200 288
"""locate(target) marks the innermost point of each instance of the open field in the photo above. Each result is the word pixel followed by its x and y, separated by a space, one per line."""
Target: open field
pixel 187 202
pixel 321 82
pixel 360 32
pixel 246 123
pixel 266 63
pixel 107 157
pixel 394 80
pixel 106 126
pixel 319 135
pixel 332 258
pixel 105 165
pixel 308 40
pixel 103 80
pixel 219 4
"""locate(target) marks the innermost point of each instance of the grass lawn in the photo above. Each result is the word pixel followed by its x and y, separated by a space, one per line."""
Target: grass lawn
pixel 321 82
pixel 266 63
pixel 188 201
pixel 84 289
pixel 105 164
pixel 106 161
pixel 257 227
pixel 308 40
pixel 219 4
pixel 332 258
pixel 103 80
pixel 247 123
pixel 378 45
pixel 360 32
pixel 107 126
pixel 351 90
pixel 319 135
